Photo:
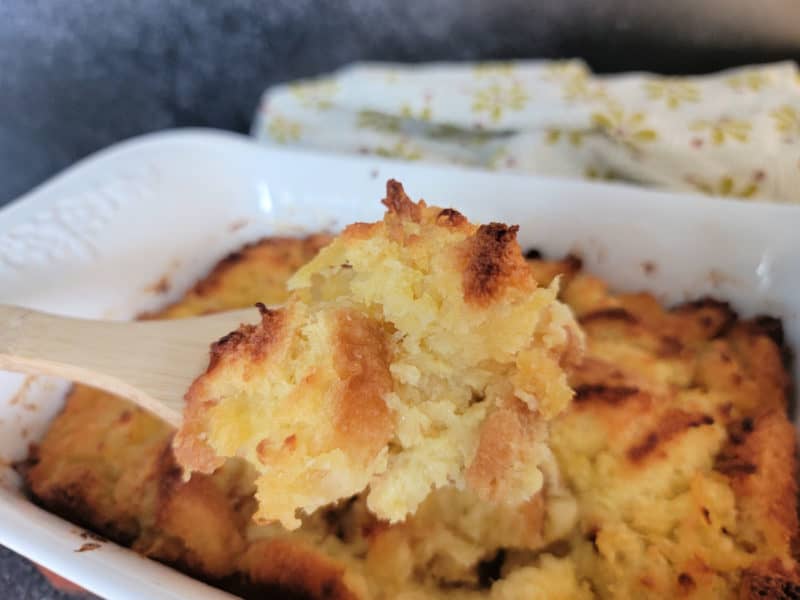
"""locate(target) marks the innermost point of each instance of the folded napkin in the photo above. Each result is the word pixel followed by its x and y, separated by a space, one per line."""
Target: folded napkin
pixel 734 133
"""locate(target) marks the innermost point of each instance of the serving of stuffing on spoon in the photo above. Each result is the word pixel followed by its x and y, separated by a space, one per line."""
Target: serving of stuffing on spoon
pixel 413 353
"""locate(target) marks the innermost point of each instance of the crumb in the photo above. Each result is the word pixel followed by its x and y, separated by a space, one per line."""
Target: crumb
pixel 237 225
pixel 19 396
pixel 91 535
pixel 161 286
pixel 649 267
pixel 718 278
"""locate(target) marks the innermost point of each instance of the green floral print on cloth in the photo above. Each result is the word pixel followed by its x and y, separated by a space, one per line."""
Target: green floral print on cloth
pixel 731 134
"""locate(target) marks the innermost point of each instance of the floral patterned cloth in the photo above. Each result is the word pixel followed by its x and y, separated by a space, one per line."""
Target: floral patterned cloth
pixel 734 133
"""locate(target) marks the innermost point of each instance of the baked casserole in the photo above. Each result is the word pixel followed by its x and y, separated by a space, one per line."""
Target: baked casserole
pixel 672 474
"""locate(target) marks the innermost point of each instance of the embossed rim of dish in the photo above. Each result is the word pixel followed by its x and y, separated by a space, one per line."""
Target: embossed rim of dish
pixel 95 239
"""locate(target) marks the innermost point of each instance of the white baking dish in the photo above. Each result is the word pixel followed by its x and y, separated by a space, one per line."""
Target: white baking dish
pixel 95 240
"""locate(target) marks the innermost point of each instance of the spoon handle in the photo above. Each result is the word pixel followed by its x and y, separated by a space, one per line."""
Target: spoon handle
pixel 149 362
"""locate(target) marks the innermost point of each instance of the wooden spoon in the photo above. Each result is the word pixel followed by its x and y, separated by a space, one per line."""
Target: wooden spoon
pixel 152 363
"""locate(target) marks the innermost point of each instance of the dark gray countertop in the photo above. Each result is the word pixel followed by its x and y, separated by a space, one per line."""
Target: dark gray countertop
pixel 20 580
pixel 78 75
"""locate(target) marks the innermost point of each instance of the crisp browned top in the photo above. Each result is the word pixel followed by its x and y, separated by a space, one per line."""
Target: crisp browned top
pixel 492 260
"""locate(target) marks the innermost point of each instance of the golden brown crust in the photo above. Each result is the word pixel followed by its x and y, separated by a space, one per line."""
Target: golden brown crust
pixel 189 444
pixel 67 476
pixel 180 505
pixel 110 468
pixel 769 581
pixel 251 341
pixel 360 231
pixel 296 569
pixel 74 496
pixel 287 254
pixel 609 315
pixel 760 463
pixel 362 421
pixel 704 319
pixel 654 397
pixel 619 408
pixel 399 204
pixel 544 271
pixel 671 424
pixel 255 273
pixel 600 392
pixel 492 261
pixel 451 218
pixel 503 440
